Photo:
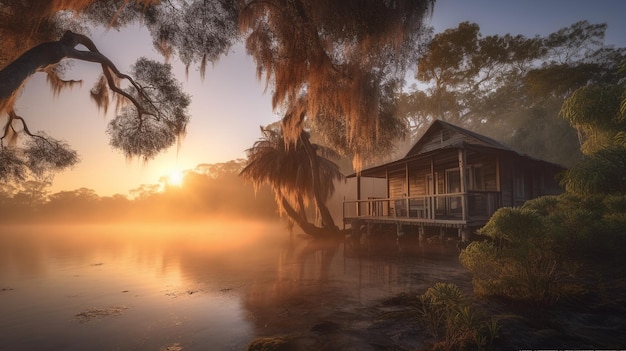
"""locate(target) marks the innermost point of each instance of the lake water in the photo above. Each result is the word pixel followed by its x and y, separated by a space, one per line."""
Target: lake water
pixel 205 286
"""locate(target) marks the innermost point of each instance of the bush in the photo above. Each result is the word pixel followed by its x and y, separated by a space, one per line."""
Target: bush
pixel 518 272
pixel 537 250
pixel 585 228
pixel 269 344
pixel 521 263
pixel 452 322
pixel 513 225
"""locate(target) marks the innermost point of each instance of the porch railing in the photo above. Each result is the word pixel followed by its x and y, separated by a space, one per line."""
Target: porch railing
pixel 480 205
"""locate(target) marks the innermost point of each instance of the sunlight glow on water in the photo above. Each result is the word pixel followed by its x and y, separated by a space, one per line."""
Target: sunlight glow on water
pixel 193 286
pixel 139 288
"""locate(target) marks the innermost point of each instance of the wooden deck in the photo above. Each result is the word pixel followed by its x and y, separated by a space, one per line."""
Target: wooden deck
pixel 459 210
pixel 451 223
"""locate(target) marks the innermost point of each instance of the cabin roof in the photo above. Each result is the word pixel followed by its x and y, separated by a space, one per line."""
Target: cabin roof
pixel 434 140
pixel 436 129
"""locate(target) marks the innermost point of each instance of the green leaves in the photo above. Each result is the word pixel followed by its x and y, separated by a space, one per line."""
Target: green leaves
pixel 462 68
pixel 538 248
pixel 602 172
pixel 511 86
pixel 598 113
pixel 512 225
pixel 595 106
pixel 452 321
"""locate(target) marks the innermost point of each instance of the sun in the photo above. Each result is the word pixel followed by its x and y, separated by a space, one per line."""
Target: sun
pixel 175 178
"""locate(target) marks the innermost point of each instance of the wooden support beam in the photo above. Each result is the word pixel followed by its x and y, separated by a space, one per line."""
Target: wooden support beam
pixel 498 180
pixel 358 195
pixel 463 180
pixel 388 191
pixel 464 234
pixel 399 230
pixel 406 176
pixel 432 200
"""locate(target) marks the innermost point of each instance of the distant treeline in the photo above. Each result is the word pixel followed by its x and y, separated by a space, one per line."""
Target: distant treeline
pixel 208 191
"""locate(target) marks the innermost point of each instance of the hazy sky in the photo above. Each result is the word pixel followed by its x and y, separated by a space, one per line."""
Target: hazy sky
pixel 230 104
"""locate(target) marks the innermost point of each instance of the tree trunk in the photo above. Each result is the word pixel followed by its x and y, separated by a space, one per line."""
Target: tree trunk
pixel 13 76
pixel 327 219
pixel 306 226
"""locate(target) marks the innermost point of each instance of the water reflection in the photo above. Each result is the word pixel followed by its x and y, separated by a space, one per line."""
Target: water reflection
pixel 218 284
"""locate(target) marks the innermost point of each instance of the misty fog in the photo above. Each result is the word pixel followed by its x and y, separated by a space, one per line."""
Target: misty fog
pixel 207 283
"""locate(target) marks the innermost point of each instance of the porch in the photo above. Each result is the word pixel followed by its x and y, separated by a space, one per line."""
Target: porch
pixel 459 210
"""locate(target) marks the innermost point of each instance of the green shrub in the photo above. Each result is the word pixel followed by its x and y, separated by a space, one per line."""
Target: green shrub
pixel 449 318
pixel 513 225
pixel 536 250
pixel 587 228
pixel 269 344
pixel 522 262
pixel 543 206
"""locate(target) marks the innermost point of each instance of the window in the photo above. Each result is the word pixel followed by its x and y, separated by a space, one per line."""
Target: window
pixel 445 135
pixel 453 185
pixel 453 181
pixel 474 176
pixel 476 179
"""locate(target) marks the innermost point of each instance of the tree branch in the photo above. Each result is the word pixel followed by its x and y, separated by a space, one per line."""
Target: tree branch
pixel 94 55
pixel 13 76
pixel 13 116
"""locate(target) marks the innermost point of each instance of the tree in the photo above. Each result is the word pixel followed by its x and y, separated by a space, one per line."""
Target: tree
pixel 76 205
pixel 598 112
pixel 326 60
pixel 299 174
pixel 463 69
pixel 218 190
pixel 32 193
pixel 221 170
pixel 510 86
pixel 336 64
pixel 145 192
pixel 154 119
pixel 152 109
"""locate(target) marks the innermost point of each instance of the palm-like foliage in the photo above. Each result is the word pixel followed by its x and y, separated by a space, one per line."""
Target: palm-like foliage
pixel 300 175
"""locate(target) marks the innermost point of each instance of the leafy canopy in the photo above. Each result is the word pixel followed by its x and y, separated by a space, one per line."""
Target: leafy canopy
pixel 335 65
pixel 510 86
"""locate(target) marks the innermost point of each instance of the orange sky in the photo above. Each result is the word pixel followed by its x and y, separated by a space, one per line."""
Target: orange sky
pixel 229 105
pixel 226 111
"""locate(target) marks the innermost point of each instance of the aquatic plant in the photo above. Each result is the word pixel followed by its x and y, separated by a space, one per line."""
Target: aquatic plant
pixel 452 322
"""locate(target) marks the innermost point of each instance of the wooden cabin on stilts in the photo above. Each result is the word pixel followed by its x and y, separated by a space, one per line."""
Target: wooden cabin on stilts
pixel 448 185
